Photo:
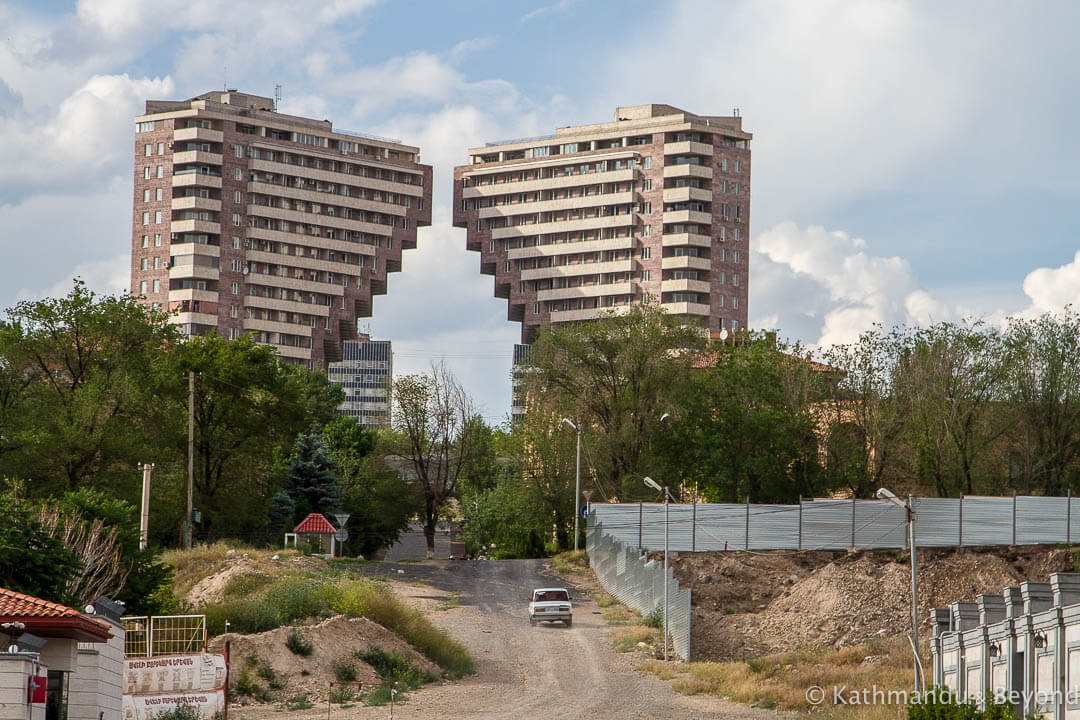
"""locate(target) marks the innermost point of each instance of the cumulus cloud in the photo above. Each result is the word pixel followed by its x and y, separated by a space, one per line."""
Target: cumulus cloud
pixel 825 286
pixel 1051 289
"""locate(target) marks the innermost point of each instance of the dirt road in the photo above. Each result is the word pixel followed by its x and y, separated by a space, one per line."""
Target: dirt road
pixel 547 671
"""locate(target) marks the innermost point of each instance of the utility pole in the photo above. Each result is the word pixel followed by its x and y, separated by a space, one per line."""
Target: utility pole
pixel 144 516
pixel 191 458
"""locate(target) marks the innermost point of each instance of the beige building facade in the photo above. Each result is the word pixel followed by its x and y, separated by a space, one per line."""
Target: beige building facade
pixel 247 220
pixel 651 207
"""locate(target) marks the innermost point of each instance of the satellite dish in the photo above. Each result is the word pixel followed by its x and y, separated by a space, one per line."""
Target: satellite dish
pixel 724 334
pixel 90 610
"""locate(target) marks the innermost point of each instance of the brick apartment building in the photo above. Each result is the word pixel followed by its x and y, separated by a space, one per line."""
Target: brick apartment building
pixel 249 220
pixel 655 204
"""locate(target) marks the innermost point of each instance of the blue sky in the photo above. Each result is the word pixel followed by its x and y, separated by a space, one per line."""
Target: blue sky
pixel 913 161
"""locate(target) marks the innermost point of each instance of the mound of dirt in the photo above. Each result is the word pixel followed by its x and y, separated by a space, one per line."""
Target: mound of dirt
pixel 747 604
pixel 332 639
pixel 211 589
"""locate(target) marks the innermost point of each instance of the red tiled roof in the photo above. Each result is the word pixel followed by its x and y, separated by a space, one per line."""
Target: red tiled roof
pixel 315 523
pixel 49 619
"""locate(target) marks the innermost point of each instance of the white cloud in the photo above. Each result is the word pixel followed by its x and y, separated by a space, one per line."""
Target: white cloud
pixel 558 7
pixel 1051 289
pixel 107 277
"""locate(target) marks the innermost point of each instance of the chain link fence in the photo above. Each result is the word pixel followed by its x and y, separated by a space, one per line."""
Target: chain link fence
pixel 639 582
pixel 845 524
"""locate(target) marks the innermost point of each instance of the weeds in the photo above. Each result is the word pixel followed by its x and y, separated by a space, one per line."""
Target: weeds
pixel 297 645
pixel 393 668
pixel 450 602
pixel 569 562
pixel 604 600
pixel 627 639
pixel 620 615
pixel 655 618
pixel 381 696
pixel 300 702
pixel 341 694
pixel 345 669
pixel 180 712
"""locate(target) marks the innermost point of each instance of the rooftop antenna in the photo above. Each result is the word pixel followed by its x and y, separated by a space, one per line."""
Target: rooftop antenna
pixel 277 97
pixel 735 112
pixel 224 78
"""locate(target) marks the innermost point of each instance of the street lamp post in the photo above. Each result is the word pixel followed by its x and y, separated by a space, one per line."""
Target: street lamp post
pixel 649 482
pixel 577 479
pixel 909 509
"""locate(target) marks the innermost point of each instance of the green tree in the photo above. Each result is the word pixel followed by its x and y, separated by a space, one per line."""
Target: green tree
pixel 1042 387
pixel 618 374
pixel 312 479
pixel 33 560
pixel 437 436
pixel 745 426
pixel 81 366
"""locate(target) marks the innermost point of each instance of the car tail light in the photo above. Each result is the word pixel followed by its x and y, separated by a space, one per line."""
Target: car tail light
pixel 564 609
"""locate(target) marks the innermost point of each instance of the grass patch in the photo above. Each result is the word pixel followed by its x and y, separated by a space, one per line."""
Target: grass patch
pixel 393 668
pixel 202 561
pixel 240 586
pixel 298 645
pixel 450 602
pixel 604 600
pixel 655 618
pixel 345 669
pixel 781 680
pixel 381 696
pixel 621 615
pixel 341 694
pixel 569 562
pixel 627 639
pixel 300 702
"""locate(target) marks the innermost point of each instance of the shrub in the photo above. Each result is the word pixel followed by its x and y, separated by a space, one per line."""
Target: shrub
pixel 341 694
pixel 298 597
pixel 298 645
pixel 244 616
pixel 655 618
pixel 393 668
pixel 180 712
pixel 385 609
pixel 300 702
pixel 381 696
pixel 940 704
pixel 345 669
pixel 267 673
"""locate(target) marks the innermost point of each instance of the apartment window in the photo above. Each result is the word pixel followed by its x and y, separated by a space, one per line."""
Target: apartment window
pixel 492 246
pixel 146 218
pixel 646 253
pixel 723 277
pixel 735 256
pixel 145 126
pixel 521 286
pixel 720 303
pixel 148 149
pixel 144 264
pixel 734 324
pixel 506 266
pixel 237 197
pixel 738 211
pixel 238 173
pixel 464 206
pixel 735 302
pixel 236 220
pixel 735 234
pixel 233 333
pixel 479 225
pixel 736 185
pixel 237 265
pixel 646 162
pixel 157 217
pixel 142 287
pixel 234 288
pixel 738 166
pixel 158 195
pixel 646 207
pixel 146 241
pixel 735 279
pixel 238 150
pixel 374 264
pixel 646 186
pixel 646 231
pixel 146 195
pixel 157 286
pixel 160 171
pixel 722 237
pixel 644 275
pixel 157 239
pixel 157 262
pixel 147 173
pixel 161 148
pixel 723 164
pixel 536 308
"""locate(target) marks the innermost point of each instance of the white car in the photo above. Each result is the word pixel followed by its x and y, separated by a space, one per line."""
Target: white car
pixel 551 605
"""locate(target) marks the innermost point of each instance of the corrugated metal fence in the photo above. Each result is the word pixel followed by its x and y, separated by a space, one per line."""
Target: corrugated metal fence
pixel 639 583
pixel 844 524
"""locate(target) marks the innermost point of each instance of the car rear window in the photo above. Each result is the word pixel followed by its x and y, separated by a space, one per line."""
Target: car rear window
pixel 551 596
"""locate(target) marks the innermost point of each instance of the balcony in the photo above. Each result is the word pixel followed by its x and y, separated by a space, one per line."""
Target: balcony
pixel 589 314
pixel 683 239
pixel 687 170
pixel 277 327
pixel 257 301
pixel 310 241
pixel 194 179
pixel 305 262
pixel 291 351
pixel 196 203
pixel 688 216
pixel 551 183
pixel 198 133
pixel 320 219
pixel 183 271
pixel 293 170
pixel 570 203
pixel 324 198
pixel 623 243
pixel 686 262
pixel 201 157
pixel 686 308
pixel 593 268
pixel 194 318
pixel 191 294
pixel 178 249
pixel 688 147
pixel 559 226
pixel 195 226
pixel 687 194
pixel 698 286
pixel 289 283
pixel 583 291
